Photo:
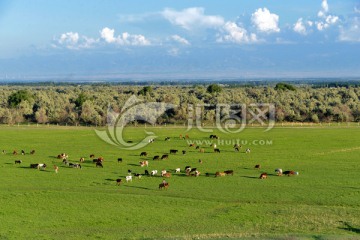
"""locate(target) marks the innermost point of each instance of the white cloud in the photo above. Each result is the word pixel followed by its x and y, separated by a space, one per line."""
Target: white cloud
pixel 326 20
pixel 72 40
pixel 299 27
pixel 179 39
pixel 351 33
pixel 356 10
pixel 265 21
pixel 236 34
pixel 124 39
pixel 192 18
pixel 108 35
pixel 69 38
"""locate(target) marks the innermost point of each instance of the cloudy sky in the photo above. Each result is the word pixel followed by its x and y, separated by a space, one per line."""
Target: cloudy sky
pixel 179 39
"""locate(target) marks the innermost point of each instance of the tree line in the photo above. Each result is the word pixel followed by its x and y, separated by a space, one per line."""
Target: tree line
pixel 89 104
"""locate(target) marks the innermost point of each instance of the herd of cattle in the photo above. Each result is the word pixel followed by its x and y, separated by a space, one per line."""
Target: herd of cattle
pixel 188 170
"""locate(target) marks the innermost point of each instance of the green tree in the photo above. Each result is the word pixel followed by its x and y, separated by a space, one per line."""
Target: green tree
pixel 145 90
pixel 214 88
pixel 17 97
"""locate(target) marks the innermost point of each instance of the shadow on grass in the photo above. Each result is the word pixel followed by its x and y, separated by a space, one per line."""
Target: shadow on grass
pixel 250 177
pixel 349 228
pixel 145 188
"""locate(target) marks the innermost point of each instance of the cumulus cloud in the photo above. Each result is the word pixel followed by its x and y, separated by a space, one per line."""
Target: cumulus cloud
pixel 326 20
pixel 265 21
pixel 302 27
pixel 125 38
pixel 192 18
pixel 236 34
pixel 73 40
pixel 179 39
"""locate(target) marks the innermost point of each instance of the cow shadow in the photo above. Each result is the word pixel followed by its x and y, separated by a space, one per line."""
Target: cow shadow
pixel 250 177
pixel 145 188
pixel 349 228
pixel 133 164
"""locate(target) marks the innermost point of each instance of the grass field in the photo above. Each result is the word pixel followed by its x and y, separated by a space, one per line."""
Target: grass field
pixel 322 202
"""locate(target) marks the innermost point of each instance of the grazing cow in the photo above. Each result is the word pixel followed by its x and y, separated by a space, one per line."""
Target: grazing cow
pixel 82 159
pixel 173 151
pixel 138 175
pixel 290 173
pixel 202 150
pixel 99 164
pixel 195 174
pixel 214 137
pixel 165 156
pixel 216 150
pixel 157 157
pixel 76 165
pixel 177 170
pixel 146 172
pixel 15 152
pixel 229 172
pixel 118 181
pixel 247 150
pixel 128 178
pixel 183 152
pixel 56 168
pixel 263 176
pixel 143 154
pixel 129 171
pixel 187 136
pixel 32 152
pixel 151 140
pixel 279 171
pixel 22 152
pixel 42 166
pixel 143 163
pixel 167 175
pixel 18 161
pixel 192 145
pixel 153 172
pixel 163 172
pixel 193 170
pixel 100 159
pixel 236 145
pixel 95 160
pixel 65 162
pixel 236 149
pixel 92 155
pixel 257 166
pixel 167 139
pixel 119 160
pixel 163 185
pixel 220 174
pixel 187 168
pixel 197 147
pixel 34 165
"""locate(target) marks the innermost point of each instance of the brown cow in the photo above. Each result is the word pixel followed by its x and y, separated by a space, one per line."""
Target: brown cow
pixel 144 163
pixel 166 175
pixel 163 185
pixel 229 172
pixel 219 174
pixel 263 176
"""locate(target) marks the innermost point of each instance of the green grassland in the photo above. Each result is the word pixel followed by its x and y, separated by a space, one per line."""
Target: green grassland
pixel 322 202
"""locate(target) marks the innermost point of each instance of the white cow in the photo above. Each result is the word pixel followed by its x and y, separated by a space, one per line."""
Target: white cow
pixel 177 170
pixel 128 178
pixel 163 172
pixel 153 172
pixel 279 171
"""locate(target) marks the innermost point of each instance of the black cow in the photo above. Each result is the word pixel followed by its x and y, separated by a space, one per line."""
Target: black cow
pixel 18 161
pixel 22 152
pixel 157 157
pixel 216 150
pixel 119 160
pixel 143 154
pixel 183 152
pixel 99 164
pixel 165 156
pixel 146 172
pixel 34 165
pixel 167 139
pixel 32 152
pixel 118 181
pixel 173 151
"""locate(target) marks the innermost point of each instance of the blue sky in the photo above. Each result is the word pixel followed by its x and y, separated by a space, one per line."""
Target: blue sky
pixel 179 39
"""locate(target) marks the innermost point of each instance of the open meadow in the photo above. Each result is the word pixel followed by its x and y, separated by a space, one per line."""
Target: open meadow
pixel 322 202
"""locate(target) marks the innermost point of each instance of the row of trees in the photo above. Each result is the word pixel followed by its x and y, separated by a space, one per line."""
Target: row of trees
pixel 89 104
